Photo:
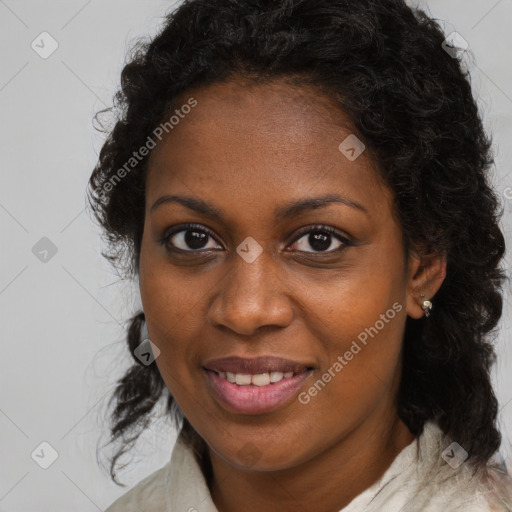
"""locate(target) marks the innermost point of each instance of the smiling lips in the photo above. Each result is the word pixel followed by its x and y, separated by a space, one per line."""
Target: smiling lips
pixel 256 385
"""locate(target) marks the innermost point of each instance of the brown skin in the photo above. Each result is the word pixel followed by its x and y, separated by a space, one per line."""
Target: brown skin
pixel 247 149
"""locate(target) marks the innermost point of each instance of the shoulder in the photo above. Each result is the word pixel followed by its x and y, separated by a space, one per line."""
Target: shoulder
pixel 148 494
pixel 447 481
pixel 433 475
pixel 177 486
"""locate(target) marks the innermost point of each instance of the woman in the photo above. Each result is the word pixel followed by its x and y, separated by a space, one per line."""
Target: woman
pixel 300 189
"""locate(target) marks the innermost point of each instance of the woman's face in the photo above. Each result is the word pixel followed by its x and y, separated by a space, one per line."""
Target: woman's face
pixel 266 285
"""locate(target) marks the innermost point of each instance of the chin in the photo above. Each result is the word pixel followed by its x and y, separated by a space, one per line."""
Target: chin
pixel 254 457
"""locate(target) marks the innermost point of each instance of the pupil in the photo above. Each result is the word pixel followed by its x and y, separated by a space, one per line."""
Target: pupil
pixel 194 239
pixel 319 241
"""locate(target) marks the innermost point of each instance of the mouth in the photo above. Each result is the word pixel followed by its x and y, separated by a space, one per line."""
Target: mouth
pixel 255 386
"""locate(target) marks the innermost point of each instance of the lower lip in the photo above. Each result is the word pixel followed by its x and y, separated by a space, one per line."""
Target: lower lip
pixel 255 399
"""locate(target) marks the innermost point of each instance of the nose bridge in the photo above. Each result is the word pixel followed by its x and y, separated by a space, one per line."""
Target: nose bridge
pixel 253 270
pixel 251 293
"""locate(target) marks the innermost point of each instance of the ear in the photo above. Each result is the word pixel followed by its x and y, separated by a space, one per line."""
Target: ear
pixel 425 276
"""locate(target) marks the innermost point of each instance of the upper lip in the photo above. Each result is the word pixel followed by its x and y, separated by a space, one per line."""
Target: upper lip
pixel 253 366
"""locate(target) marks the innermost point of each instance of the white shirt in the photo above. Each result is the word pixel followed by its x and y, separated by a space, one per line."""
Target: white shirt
pixel 418 480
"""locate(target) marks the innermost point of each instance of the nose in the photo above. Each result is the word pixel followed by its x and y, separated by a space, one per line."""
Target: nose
pixel 250 296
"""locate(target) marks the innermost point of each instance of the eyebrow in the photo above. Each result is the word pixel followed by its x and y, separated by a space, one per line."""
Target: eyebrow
pixel 281 213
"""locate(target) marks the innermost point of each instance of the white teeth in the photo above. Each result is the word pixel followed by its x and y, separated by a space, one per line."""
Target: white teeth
pixel 276 376
pixel 260 379
pixel 243 379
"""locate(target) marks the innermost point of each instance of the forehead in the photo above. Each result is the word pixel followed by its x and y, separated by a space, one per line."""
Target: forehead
pixel 262 143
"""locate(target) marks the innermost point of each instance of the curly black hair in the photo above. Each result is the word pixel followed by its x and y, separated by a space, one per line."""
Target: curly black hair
pixel 411 103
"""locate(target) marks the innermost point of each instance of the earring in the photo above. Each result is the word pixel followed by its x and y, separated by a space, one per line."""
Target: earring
pixel 426 306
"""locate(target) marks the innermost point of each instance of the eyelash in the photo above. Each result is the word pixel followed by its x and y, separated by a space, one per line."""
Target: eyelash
pixel 203 229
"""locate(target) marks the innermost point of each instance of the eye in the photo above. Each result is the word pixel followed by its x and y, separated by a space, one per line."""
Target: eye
pixel 195 238
pixel 321 238
pixel 191 238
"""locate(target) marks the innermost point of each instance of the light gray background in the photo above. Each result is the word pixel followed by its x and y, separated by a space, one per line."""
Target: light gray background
pixel 62 338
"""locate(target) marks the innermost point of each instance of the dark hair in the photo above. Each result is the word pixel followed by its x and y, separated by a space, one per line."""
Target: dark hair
pixel 411 103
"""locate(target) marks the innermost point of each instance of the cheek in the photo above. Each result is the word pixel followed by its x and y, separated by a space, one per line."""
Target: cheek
pixel 170 303
pixel 176 313
pixel 360 376
pixel 168 309
pixel 359 320
pixel 348 303
pixel 170 320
